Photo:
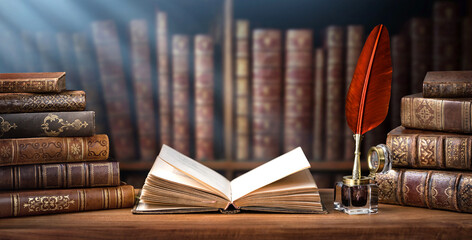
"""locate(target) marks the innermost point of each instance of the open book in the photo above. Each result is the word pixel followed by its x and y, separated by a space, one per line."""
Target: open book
pixel 179 184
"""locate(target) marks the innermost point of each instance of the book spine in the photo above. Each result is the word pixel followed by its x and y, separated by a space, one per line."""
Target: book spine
pixel 61 175
pixel 43 84
pixel 446 32
pixel 30 49
pixel 41 102
pixel 319 105
pixel 142 81
pixel 180 93
pixel 114 89
pixel 298 104
pixel 401 76
pixel 47 124
pixel 436 114
pixel 266 93
pixel 47 52
pixel 68 63
pixel 335 94
pixel 164 85
pixel 466 46
pixel 40 202
pixel 21 151
pixel 425 188
pixel 204 88
pixel 242 91
pixel 421 45
pixel 448 84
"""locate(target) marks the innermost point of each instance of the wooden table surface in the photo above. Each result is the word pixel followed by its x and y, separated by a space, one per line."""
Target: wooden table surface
pixel 392 222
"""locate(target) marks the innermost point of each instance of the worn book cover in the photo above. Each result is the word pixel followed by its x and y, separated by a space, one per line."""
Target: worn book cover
pixel 33 82
pixel 42 102
pixel 448 84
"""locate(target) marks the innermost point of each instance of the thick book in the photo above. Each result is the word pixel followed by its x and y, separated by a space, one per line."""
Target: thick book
pixel 178 184
pixel 21 151
pixel 319 105
pixel 42 102
pixel 47 124
pixel 54 201
pixel 441 114
pixel 446 36
pixel 448 84
pixel 426 188
pixel 60 175
pixel 67 60
pixel 32 82
pixel 400 77
pixel 421 56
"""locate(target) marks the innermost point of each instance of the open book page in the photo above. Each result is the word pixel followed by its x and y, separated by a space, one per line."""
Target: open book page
pixel 276 169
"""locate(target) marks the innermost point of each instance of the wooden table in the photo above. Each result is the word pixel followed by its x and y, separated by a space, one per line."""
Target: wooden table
pixel 393 222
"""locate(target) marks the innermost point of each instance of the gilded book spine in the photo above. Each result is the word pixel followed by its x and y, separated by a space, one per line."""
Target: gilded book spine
pixel 47 52
pixel 448 84
pixel 42 102
pixel 401 76
pixel 204 88
pixel 319 106
pixel 60 175
pixel 40 202
pixel 68 60
pixel 446 33
pixel 143 97
pixel 266 93
pixel 21 151
pixel 425 188
pixel 421 45
pixel 32 82
pixel 466 37
pixel 298 105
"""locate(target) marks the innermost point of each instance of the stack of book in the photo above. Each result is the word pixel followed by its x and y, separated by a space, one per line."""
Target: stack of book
pixel 435 136
pixel 51 160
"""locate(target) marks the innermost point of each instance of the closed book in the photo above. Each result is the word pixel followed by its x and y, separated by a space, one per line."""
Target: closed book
pixel 441 114
pixel 400 77
pixel 319 105
pixel 60 175
pixel 67 60
pixel 448 84
pixel 446 36
pixel 32 82
pixel 426 188
pixel 42 102
pixel 21 151
pixel 54 201
pixel 47 52
pixel 466 47
pixel 421 56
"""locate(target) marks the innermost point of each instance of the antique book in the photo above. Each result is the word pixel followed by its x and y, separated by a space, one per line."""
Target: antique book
pixel 448 84
pixel 143 90
pixel 47 124
pixel 68 60
pixel 47 52
pixel 446 36
pixel 319 105
pixel 466 47
pixel 21 151
pixel 178 184
pixel 32 82
pixel 426 188
pixel 115 92
pixel 242 91
pixel 266 93
pixel 400 77
pixel 421 57
pixel 60 175
pixel 42 102
pixel 441 114
pixel 181 93
pixel 54 201
pixel 298 86
pixel 31 62
pixel 204 88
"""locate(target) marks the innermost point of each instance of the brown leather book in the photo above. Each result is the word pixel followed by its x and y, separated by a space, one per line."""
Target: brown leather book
pixel 466 37
pixel 54 201
pixel 67 60
pixel 143 94
pixel 204 88
pixel 441 114
pixel 32 82
pixel 47 52
pixel 446 36
pixel 115 92
pixel 21 151
pixel 30 49
pixel 421 57
pixel 181 93
pixel 266 93
pixel 400 77
pixel 42 102
pixel 242 92
pixel 448 84
pixel 426 188
pixel 319 105
pixel 60 175
pixel 298 104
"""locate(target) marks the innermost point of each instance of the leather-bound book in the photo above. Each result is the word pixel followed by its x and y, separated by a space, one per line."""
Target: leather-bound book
pixel 421 55
pixel 204 88
pixel 448 84
pixel 466 37
pixel 298 86
pixel 266 93
pixel 30 49
pixel 54 201
pixel 335 81
pixel 47 52
pixel 426 188
pixel 60 175
pixel 242 92
pixel 181 93
pixel 441 114
pixel 446 36
pixel 143 94
pixel 42 102
pixel 21 151
pixel 67 60
pixel 400 77
pixel 319 105
pixel 52 82
pixel 115 92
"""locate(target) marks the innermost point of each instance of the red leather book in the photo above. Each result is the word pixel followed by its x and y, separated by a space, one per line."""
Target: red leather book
pixel 466 37
pixel 319 105
pixel 47 52
pixel 446 36
pixel 107 46
pixel 448 84
pixel 42 102
pixel 30 49
pixel 400 46
pixel 41 82
pixel 67 59
pixel 421 54
pixel 143 96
